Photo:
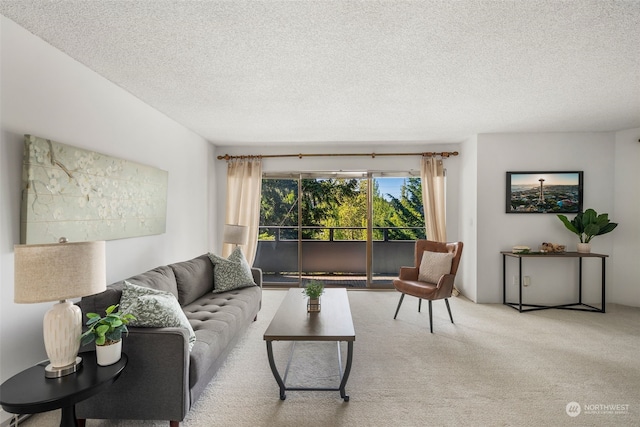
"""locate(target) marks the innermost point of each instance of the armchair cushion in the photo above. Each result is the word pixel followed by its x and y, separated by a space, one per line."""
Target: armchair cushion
pixel 434 265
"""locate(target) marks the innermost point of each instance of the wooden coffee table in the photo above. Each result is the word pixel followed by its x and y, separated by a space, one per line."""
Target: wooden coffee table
pixel 332 323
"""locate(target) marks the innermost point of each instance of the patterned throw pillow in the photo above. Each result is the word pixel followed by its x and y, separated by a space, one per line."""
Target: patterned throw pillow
pixel 154 309
pixel 231 273
pixel 434 265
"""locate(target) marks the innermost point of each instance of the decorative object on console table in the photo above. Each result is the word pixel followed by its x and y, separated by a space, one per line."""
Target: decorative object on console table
pixel 58 272
pixel 107 333
pixel 313 290
pixel 236 235
pixel 587 225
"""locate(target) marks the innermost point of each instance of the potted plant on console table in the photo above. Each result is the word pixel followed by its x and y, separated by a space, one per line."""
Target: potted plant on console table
pixel 587 225
pixel 107 333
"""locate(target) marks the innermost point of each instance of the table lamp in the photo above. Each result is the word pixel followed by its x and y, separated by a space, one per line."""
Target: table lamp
pixel 57 272
pixel 235 234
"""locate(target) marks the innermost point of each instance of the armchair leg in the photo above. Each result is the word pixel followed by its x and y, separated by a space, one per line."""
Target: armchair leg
pixel 399 304
pixel 446 300
pixel 430 317
pixel 419 304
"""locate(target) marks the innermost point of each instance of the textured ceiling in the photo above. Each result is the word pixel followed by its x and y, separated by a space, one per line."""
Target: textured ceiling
pixel 295 72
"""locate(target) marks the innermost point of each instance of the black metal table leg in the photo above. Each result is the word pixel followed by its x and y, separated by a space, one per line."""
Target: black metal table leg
pixel 520 284
pixel 274 370
pixel 504 279
pixel 603 284
pixel 347 370
pixel 579 280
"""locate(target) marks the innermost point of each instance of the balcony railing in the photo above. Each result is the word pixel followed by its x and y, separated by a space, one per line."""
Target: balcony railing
pixel 328 255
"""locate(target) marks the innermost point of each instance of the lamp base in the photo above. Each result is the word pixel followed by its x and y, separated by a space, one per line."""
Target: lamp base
pixel 51 372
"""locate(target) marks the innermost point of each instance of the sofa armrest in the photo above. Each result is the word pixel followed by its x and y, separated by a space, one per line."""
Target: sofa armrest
pixel 159 367
pixel 257 275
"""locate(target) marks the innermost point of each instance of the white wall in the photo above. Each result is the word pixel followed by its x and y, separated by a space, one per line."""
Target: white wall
pixel 48 94
pixel 624 261
pixel 553 280
pixel 468 218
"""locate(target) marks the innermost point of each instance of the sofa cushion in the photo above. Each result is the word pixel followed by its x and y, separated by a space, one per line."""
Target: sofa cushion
pixel 154 309
pixel 194 278
pixel 160 278
pixel 231 273
pixel 216 320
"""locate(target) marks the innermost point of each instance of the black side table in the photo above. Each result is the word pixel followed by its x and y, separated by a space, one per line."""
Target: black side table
pixel 29 392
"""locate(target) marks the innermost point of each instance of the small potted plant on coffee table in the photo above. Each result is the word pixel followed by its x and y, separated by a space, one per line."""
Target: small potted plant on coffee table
pixel 107 333
pixel 313 290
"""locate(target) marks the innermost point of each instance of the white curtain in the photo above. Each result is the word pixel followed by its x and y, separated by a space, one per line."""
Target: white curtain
pixel 433 198
pixel 244 185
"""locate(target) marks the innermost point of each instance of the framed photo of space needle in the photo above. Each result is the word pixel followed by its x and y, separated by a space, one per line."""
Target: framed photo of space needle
pixel 544 192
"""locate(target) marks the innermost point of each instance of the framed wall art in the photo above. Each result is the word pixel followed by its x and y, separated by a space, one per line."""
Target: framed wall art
pixel 83 195
pixel 544 192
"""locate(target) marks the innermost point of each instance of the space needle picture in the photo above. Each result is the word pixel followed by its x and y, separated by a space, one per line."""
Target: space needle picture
pixel 544 192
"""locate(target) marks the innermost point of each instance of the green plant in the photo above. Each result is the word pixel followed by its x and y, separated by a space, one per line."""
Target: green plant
pixel 108 329
pixel 314 289
pixel 588 224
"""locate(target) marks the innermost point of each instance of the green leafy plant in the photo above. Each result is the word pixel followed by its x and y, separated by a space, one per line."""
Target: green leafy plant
pixel 108 329
pixel 588 224
pixel 314 289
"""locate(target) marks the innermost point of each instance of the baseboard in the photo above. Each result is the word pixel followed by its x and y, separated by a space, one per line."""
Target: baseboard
pixel 11 420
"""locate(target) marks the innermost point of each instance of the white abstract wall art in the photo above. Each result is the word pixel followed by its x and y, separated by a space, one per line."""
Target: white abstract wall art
pixel 83 195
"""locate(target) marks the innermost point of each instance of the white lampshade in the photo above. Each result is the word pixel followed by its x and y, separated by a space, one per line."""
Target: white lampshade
pixel 57 272
pixel 235 234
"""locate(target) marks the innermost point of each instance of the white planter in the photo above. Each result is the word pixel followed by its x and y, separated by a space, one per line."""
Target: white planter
pixel 584 248
pixel 108 354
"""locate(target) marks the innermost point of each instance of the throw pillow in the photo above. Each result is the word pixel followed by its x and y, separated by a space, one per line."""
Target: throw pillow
pixel 154 309
pixel 434 265
pixel 231 273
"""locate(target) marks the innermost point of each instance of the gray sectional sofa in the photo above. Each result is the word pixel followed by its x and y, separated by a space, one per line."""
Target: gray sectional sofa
pixel 163 378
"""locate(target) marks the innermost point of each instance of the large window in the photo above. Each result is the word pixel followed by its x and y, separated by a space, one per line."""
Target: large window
pixel 343 229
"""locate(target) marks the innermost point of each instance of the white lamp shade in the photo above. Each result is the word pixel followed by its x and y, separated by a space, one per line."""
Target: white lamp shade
pixel 235 234
pixel 58 271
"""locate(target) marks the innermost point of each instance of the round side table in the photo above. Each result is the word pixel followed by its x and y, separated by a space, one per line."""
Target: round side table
pixel 29 392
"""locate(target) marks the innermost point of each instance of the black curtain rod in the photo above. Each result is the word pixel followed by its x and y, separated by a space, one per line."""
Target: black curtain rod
pixel 444 154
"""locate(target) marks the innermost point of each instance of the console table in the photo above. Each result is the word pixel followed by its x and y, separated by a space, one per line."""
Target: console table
pixel 29 392
pixel 531 307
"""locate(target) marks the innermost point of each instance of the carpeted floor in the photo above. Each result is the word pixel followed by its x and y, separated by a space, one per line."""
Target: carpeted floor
pixel 494 367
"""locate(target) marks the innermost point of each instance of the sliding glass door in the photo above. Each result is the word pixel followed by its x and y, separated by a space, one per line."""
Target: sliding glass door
pixel 352 230
pixel 397 221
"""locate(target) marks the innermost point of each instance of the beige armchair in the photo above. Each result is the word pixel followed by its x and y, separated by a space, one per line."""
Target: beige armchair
pixel 434 284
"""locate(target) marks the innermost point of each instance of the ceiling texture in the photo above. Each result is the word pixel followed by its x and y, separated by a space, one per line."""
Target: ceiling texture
pixel 309 72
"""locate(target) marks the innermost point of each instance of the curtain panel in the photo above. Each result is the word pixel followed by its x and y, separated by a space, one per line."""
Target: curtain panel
pixel 244 187
pixel 433 198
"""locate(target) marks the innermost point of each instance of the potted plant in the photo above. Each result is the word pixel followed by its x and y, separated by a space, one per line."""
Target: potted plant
pixel 107 333
pixel 313 290
pixel 587 225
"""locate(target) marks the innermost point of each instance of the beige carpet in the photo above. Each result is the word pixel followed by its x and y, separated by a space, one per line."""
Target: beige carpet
pixel 494 367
